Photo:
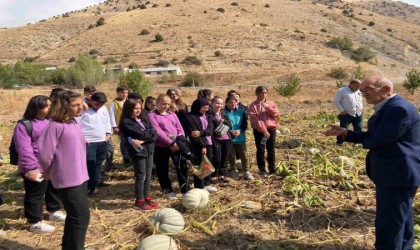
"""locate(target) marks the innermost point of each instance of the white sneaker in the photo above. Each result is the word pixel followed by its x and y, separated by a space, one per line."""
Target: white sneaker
pixel 57 216
pixel 171 196
pixel 41 228
pixel 234 174
pixel 248 176
pixel 210 189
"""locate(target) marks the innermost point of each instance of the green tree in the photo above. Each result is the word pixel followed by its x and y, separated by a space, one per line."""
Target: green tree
pixel 89 69
pixel 412 81
pixel 192 79
pixel 290 87
pixel 136 82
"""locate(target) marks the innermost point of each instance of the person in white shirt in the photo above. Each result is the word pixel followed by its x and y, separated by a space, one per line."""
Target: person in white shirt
pixel 349 103
pixel 97 131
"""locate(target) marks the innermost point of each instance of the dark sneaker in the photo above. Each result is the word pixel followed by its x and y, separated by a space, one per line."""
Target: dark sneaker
pixel 103 184
pixel 222 179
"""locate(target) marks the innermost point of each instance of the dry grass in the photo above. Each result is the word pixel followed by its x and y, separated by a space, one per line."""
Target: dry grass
pixel 242 215
pixel 253 40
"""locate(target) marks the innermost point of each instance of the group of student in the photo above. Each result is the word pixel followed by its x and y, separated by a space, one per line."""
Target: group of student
pixel 70 139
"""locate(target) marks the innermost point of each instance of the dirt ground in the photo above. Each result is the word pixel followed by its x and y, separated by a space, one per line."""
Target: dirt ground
pixel 310 205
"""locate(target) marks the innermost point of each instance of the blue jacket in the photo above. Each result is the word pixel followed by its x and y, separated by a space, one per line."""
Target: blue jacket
pixel 239 120
pixel 393 140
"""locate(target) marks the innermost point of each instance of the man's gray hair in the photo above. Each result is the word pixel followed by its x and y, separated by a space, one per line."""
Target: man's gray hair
pixel 383 81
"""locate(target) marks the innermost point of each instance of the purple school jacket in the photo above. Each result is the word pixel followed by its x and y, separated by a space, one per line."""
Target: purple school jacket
pixel 62 153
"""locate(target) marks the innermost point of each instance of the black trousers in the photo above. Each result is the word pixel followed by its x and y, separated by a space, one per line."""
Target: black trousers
pixel 34 199
pixel 394 222
pixel 161 160
pixel 75 202
pixel 269 145
pixel 221 150
pixel 201 183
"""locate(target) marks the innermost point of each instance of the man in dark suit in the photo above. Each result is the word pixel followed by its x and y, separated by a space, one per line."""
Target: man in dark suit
pixel 393 160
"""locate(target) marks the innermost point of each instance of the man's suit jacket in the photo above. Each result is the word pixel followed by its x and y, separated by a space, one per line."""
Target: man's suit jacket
pixel 393 140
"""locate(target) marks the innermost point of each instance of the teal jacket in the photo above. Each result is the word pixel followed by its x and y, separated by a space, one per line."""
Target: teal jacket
pixel 239 120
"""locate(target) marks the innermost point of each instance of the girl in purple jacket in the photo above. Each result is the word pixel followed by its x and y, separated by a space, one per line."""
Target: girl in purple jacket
pixel 62 156
pixel 36 188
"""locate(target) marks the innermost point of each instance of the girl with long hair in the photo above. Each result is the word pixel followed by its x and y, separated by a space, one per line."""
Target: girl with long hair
pixel 140 135
pixel 36 188
pixel 62 156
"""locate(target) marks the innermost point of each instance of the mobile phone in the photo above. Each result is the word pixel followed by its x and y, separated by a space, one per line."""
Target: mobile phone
pixel 264 140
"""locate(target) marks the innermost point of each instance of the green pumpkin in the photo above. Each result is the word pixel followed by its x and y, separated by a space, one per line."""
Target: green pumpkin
pixel 168 220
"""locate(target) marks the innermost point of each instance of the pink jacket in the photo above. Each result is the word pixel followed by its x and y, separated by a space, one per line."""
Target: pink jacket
pixel 263 118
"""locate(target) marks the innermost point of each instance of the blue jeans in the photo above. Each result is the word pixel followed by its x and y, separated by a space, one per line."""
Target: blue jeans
pixel 95 154
pixel 346 120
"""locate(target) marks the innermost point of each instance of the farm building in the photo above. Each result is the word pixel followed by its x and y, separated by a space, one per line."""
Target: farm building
pixel 162 71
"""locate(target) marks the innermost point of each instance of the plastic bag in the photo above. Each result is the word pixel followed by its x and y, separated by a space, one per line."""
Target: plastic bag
pixel 204 169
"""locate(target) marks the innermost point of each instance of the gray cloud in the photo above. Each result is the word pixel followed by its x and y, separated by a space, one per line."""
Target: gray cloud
pixel 20 12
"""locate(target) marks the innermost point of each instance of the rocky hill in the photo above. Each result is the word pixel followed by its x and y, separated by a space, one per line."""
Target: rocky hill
pixel 253 38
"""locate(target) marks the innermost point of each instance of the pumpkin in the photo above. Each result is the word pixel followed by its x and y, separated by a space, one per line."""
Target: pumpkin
pixel 347 162
pixel 168 220
pixel 312 151
pixel 157 242
pixel 196 198
pixel 284 131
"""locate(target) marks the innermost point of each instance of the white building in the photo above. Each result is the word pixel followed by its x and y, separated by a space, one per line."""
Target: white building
pixel 162 71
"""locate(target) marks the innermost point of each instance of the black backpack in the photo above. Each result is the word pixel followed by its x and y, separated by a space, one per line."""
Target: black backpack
pixel 14 156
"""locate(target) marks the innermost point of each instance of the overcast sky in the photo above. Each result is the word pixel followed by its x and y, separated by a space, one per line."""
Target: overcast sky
pixel 15 13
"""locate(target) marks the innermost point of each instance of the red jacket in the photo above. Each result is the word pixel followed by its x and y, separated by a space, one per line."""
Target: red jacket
pixel 263 118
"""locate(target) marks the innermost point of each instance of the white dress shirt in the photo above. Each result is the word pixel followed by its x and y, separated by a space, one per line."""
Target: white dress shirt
pixel 349 101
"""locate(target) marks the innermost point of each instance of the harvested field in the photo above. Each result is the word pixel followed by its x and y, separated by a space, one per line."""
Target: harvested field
pixel 315 202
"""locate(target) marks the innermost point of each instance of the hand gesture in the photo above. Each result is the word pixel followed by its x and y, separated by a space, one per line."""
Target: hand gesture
pixel 336 131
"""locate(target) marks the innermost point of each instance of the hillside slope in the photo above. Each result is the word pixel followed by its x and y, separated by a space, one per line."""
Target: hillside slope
pixel 271 37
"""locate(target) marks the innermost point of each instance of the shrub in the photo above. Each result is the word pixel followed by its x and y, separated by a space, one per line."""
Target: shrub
pixel 158 38
pixel 290 88
pixel 389 30
pixel 338 73
pixel 339 84
pixel 323 30
pixel 30 58
pixel 341 43
pixel 412 81
pixel 110 60
pixel 91 26
pixel 133 65
pixel 192 79
pixel 371 23
pixel 358 72
pixel 72 59
pixel 128 9
pixel 234 4
pixel 192 60
pixel 155 5
pixel 221 10
pixel 144 32
pixel 93 52
pixel 217 53
pixel 362 54
pixel 100 22
pixel 136 82
pixel 142 6
pixel 168 5
pixel 267 5
pixel 162 63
